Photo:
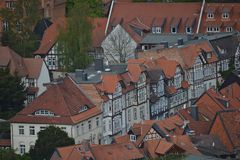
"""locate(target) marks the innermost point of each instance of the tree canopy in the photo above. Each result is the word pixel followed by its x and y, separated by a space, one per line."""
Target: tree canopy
pixel 47 141
pixel 74 42
pixel 8 154
pixel 95 7
pixel 20 21
pixel 13 92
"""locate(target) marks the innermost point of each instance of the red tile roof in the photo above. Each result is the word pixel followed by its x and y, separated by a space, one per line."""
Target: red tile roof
pixel 227 126
pixel 231 91
pixel 66 104
pixel 5 142
pixel 109 82
pixel 163 147
pixel 18 65
pixel 218 9
pixel 123 151
pixel 185 55
pixel 74 152
pixel 144 15
pixel 51 33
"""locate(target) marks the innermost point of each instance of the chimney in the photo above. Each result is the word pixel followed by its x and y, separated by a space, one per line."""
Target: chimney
pixel 98 64
pixel 165 44
pixel 194 112
pixel 168 139
pixel 78 73
pixel 180 41
pixel 84 76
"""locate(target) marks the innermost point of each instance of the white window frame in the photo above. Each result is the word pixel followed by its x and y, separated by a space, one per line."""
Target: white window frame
pixel 210 15
pixel 158 30
pixel 174 32
pixel 31 130
pixel 229 29
pixel 21 130
pixel 225 15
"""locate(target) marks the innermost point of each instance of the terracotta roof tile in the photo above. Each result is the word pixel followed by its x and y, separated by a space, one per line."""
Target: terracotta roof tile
pixel 123 151
pixel 185 55
pixel 66 105
pixel 5 142
pixel 218 9
pixel 18 65
pixel 50 35
pixel 163 147
pixel 129 11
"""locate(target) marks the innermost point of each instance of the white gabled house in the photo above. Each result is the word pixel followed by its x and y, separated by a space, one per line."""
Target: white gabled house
pixel 33 72
pixel 69 110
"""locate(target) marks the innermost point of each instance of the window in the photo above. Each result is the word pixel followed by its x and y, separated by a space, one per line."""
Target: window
pixel 173 30
pixel 229 29
pixel 225 15
pixel 42 128
pixel 188 30
pixel 210 15
pixel 213 29
pixel 31 82
pixel 18 26
pixel 97 121
pixel 78 133
pixel 89 125
pixel 158 30
pixel 21 130
pixel 63 128
pixel 32 130
pixel 135 113
pixel 129 114
pixel 142 95
pixel 44 113
pixel 132 138
pixel 5 25
pixel 30 98
pixel 10 4
pixel 142 112
pixel 83 108
pixel 22 148
pixel 82 128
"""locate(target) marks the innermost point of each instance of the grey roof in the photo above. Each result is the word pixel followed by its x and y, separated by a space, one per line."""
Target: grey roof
pixel 94 76
pixel 225 45
pixel 159 38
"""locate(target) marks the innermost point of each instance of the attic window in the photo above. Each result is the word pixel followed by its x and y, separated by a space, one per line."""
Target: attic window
pixel 44 113
pixel 210 15
pixel 156 30
pixel 209 55
pixel 83 108
pixel 229 29
pixel 188 30
pixel 225 15
pixel 173 30
pixel 133 138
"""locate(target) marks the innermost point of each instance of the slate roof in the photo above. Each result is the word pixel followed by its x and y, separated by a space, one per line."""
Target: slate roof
pixel 226 46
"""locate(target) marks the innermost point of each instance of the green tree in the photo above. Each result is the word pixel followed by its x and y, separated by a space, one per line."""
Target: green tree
pixel 8 154
pixel 47 141
pixel 21 20
pixel 13 92
pixel 95 6
pixel 74 42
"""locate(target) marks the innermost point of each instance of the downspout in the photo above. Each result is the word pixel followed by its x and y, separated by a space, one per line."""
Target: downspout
pixel 200 17
pixel 109 16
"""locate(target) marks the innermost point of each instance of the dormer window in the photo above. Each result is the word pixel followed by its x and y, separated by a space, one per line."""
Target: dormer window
pixel 225 15
pixel 209 55
pixel 229 29
pixel 189 30
pixel 44 113
pixel 133 138
pixel 83 108
pixel 156 30
pixel 210 15
pixel 173 30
